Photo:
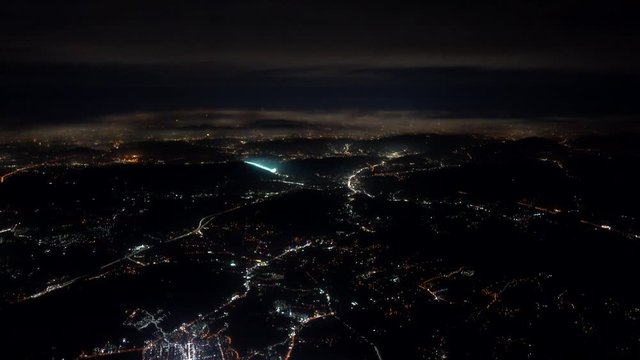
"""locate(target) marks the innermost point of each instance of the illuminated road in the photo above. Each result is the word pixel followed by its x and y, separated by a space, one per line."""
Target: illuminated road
pixel 11 229
pixel 352 179
pixel 16 171
pixel 426 284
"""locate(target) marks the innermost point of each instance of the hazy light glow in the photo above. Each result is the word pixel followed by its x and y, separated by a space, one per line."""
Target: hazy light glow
pixel 271 170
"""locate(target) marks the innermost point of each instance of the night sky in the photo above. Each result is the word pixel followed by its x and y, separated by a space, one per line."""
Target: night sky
pixel 88 62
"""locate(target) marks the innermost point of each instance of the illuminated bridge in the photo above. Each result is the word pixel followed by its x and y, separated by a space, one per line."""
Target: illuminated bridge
pixel 260 166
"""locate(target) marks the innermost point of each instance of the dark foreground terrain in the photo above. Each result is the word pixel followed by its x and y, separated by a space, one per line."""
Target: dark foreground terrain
pixel 408 247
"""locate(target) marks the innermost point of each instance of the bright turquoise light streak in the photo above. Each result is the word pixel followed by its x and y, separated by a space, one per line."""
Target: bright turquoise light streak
pixel 271 170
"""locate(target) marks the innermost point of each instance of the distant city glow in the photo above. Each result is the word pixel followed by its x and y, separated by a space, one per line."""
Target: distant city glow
pixel 271 170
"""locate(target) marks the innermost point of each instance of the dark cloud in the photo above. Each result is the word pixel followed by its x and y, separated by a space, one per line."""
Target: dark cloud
pixel 36 94
pixel 304 33
pixel 73 61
